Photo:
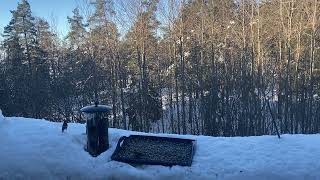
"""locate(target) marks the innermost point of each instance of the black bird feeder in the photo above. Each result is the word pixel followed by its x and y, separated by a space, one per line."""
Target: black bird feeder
pixel 97 128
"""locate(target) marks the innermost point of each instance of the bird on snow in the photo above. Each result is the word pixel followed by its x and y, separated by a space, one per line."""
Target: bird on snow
pixel 64 126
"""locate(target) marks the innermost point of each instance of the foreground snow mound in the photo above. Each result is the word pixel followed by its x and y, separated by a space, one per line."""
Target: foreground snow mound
pixel 36 149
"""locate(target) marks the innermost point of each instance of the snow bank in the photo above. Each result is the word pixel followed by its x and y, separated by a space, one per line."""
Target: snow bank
pixel 36 149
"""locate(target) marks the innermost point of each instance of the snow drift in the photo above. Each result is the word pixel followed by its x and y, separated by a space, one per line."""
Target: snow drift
pixel 36 149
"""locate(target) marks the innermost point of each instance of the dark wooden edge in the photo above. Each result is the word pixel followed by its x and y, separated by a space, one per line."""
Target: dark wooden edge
pixel 163 138
pixel 116 151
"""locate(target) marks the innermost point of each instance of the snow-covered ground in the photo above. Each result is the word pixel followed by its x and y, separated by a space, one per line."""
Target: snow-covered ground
pixel 36 149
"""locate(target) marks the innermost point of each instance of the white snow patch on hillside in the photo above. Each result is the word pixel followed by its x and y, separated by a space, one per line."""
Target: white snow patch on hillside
pixel 36 149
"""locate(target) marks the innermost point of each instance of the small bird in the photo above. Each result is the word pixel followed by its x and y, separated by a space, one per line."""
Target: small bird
pixel 64 126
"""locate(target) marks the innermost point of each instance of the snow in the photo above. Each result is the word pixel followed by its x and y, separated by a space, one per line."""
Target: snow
pixel 1 116
pixel 36 149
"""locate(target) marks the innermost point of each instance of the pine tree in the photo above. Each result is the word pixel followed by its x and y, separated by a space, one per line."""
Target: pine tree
pixel 22 46
pixel 77 32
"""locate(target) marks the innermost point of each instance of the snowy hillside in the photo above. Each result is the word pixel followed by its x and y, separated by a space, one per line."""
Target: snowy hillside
pixel 36 149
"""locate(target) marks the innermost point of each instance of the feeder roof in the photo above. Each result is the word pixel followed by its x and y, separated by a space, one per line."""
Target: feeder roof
pixel 96 108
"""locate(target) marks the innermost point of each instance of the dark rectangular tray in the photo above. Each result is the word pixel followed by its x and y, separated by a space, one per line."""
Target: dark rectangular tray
pixel 138 149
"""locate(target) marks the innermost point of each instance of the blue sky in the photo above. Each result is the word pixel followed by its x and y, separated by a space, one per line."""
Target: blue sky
pixel 59 9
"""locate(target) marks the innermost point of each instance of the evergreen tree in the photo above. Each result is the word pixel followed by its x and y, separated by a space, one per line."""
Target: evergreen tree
pixel 77 32
pixel 22 46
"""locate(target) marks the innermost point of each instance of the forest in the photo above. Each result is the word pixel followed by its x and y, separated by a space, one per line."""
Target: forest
pixel 202 67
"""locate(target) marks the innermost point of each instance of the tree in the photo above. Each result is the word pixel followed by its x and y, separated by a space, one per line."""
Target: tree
pixel 22 45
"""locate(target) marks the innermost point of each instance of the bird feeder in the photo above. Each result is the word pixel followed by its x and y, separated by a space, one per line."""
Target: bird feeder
pixel 97 128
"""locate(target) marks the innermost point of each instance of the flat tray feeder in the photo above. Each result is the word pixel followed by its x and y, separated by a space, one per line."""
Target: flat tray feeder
pixel 153 150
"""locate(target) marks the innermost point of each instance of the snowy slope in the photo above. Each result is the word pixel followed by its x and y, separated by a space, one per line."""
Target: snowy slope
pixel 36 149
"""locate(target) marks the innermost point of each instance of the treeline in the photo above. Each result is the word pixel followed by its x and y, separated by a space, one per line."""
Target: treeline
pixel 213 67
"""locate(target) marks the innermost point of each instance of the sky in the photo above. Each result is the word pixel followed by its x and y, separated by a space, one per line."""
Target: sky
pixel 52 10
pixel 56 12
